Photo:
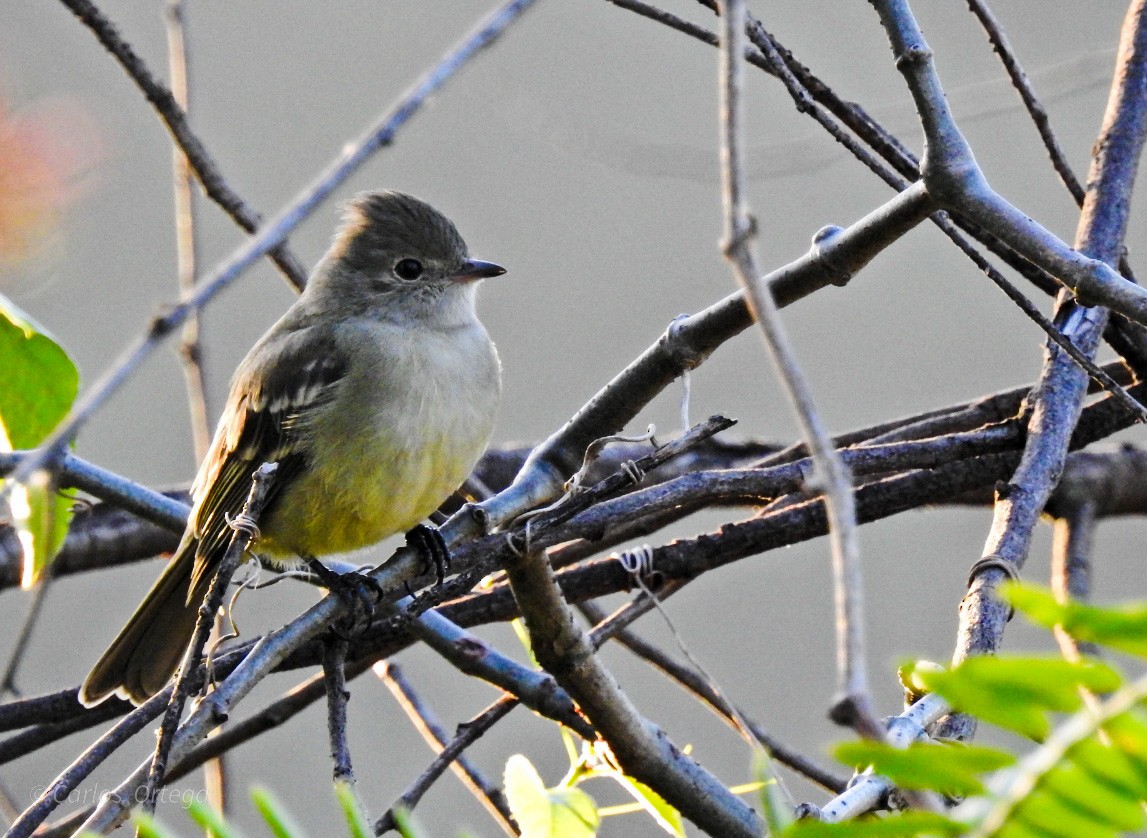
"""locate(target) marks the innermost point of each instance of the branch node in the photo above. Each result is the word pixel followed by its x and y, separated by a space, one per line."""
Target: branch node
pixel 743 232
pixel 821 251
pixel 913 56
pixel 808 812
pixel 479 516
pixel 993 562
pixel 680 350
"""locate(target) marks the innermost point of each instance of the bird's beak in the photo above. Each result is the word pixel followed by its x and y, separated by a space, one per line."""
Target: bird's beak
pixel 474 269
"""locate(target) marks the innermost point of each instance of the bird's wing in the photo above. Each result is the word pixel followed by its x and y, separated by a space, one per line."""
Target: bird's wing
pixel 261 426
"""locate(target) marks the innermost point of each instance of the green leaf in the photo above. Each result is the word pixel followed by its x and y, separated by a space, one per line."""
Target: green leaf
pixel 778 810
pixel 1051 816
pixel 40 384
pixel 40 380
pixel 211 820
pixel 351 806
pixel 1079 789
pixel 41 514
pixel 547 813
pixel 405 824
pixel 1128 734
pixel 1121 627
pixel 947 768
pixel 276 817
pixel 901 825
pixel 667 817
pixel 1110 767
pixel 1016 692
pixel 146 826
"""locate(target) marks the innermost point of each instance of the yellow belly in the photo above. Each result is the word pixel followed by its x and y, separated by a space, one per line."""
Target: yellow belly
pixel 392 460
pixel 367 499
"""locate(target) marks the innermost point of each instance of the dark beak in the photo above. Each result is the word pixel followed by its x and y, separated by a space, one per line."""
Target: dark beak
pixel 473 269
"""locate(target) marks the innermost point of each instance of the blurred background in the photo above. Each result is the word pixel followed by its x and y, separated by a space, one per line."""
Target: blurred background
pixel 579 152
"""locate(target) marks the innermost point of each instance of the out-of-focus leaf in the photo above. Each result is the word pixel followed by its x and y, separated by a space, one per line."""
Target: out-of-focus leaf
pixel 903 825
pixel 1016 693
pixel 948 768
pixel 212 821
pixel 1047 814
pixel 564 812
pixel 42 165
pixel 1109 765
pixel 1122 627
pixel 778 811
pixel 406 825
pixel 1079 789
pixel 351 806
pixel 40 384
pixel 665 815
pixel 275 815
pixel 146 826
pixel 1128 734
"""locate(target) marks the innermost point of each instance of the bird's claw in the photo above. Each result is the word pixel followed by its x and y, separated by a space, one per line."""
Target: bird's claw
pixel 360 592
pixel 430 544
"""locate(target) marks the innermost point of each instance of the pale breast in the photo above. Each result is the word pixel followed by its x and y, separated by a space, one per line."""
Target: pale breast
pixel 404 431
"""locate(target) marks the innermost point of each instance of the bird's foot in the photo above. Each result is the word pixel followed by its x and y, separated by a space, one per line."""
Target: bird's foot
pixel 430 544
pixel 360 592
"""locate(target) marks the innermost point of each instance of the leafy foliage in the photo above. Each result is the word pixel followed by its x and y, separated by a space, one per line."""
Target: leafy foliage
pixel 40 384
pixel 564 811
pixel 279 822
pixel 1088 775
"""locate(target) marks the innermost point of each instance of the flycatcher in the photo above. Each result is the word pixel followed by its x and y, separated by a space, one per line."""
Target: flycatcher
pixel 375 393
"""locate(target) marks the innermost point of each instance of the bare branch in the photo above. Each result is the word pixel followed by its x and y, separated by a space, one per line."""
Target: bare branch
pixel 695 683
pixel 422 717
pixel 186 242
pixel 468 733
pixel 853 703
pixel 174 117
pixel 245 528
pixel 1057 399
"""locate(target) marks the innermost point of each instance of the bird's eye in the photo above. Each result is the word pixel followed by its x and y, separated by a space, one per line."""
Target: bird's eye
pixel 408 269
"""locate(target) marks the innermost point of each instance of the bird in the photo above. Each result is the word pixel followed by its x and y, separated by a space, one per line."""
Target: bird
pixel 375 394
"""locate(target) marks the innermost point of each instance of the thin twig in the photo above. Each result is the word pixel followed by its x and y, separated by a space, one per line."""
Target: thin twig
pixel 9 810
pixel 695 683
pixel 186 241
pixel 1035 108
pixel 167 108
pixel 473 656
pixel 245 528
pixel 468 733
pixel 422 717
pixel 69 779
pixel 190 343
pixel 1072 541
pixel 853 703
pixel 334 682
pixel 24 636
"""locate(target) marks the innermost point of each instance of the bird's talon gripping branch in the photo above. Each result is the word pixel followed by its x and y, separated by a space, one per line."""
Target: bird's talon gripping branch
pixel 359 591
pixel 429 544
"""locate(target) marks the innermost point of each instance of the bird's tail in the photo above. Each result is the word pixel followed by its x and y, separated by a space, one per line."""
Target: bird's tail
pixel 142 659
